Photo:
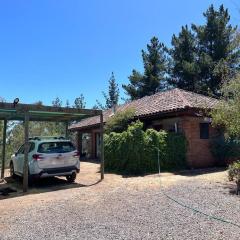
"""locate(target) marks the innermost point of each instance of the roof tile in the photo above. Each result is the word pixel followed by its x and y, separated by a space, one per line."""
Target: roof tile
pixel 169 101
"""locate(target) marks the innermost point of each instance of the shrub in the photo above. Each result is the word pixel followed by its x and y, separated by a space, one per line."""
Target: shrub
pixel 135 151
pixel 176 151
pixel 120 121
pixel 234 174
pixel 224 149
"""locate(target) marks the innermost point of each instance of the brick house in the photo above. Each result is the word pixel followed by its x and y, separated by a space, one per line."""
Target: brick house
pixel 173 110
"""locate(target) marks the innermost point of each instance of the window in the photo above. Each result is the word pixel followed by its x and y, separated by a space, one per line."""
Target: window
pixel 21 150
pixel 32 146
pixel 56 147
pixel 204 130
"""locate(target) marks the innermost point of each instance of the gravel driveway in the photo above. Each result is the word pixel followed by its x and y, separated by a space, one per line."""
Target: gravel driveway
pixel 124 208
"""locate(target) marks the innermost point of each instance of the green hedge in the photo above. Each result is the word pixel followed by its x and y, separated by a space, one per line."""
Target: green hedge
pixel 225 150
pixel 135 151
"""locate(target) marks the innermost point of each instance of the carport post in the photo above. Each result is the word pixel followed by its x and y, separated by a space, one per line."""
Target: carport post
pixel 66 130
pixel 4 147
pixel 102 146
pixel 26 148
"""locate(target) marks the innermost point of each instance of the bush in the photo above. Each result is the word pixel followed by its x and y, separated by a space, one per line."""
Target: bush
pixel 224 149
pixel 176 151
pixel 135 151
pixel 120 121
pixel 234 174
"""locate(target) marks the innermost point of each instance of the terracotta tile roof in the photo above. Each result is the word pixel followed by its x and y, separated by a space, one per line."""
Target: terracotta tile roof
pixel 169 101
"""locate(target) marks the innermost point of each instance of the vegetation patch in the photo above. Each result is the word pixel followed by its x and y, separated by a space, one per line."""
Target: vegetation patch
pixel 135 151
pixel 225 149
pixel 234 174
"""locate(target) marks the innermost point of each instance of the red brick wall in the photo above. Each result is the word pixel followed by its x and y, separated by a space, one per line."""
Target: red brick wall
pixel 198 153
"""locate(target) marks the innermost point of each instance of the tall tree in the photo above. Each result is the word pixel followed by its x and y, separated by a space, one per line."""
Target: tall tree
pixel 67 105
pixel 202 59
pixel 218 55
pixel 112 96
pixel 113 92
pixel 56 128
pixel 155 68
pixel 57 102
pixel 79 102
pixel 184 68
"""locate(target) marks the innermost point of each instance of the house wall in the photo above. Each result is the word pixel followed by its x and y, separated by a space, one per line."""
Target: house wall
pixel 199 151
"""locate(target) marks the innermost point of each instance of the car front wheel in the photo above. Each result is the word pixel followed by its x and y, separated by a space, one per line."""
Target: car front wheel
pixel 71 178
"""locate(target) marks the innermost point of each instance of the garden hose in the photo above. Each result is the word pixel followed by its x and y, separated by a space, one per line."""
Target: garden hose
pixel 188 207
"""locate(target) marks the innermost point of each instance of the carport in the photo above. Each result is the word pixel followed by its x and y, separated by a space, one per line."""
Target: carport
pixel 31 112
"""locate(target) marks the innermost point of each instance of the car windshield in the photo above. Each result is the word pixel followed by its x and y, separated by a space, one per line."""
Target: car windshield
pixel 56 147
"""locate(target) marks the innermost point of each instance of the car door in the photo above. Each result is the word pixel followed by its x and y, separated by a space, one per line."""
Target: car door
pixel 19 157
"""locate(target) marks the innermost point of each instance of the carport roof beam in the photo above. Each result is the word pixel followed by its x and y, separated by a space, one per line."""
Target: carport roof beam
pixel 44 113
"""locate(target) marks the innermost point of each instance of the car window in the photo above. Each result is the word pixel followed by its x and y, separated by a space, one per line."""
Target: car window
pixel 21 150
pixel 56 147
pixel 32 146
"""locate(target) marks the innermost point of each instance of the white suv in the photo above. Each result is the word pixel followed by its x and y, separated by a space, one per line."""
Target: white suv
pixel 47 157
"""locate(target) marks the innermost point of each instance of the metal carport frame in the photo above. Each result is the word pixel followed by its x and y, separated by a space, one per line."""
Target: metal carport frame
pixel 31 112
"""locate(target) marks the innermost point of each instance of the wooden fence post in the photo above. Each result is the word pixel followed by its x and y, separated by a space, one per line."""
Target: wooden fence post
pixel 26 149
pixel 4 147
pixel 102 146
pixel 66 130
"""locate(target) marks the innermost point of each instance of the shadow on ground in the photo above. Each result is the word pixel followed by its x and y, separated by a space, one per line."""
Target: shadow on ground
pixel 186 172
pixel 197 172
pixel 13 187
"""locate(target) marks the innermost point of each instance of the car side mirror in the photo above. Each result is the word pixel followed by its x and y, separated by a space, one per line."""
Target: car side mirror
pixel 15 154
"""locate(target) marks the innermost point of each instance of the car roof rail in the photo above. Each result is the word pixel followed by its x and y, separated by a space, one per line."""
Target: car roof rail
pixel 34 138
pixel 38 138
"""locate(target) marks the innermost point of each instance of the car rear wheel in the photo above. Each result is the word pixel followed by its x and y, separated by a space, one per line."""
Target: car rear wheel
pixel 71 178
pixel 12 173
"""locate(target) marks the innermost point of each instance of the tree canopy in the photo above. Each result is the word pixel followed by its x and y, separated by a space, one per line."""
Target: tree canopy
pixel 184 69
pixel 79 102
pixel 111 97
pixel 205 56
pixel 119 122
pixel 154 77
pixel 201 58
pixel 227 113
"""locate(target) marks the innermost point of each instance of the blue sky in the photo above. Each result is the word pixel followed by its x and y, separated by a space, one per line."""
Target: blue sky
pixel 63 48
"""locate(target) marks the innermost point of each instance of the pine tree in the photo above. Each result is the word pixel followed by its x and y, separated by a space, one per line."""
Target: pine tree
pixel 155 68
pixel 79 102
pixel 184 68
pixel 218 55
pixel 67 105
pixel 204 58
pixel 113 93
pixel 112 97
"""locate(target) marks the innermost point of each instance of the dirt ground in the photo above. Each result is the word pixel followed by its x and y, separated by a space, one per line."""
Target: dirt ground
pixel 89 177
pixel 112 201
